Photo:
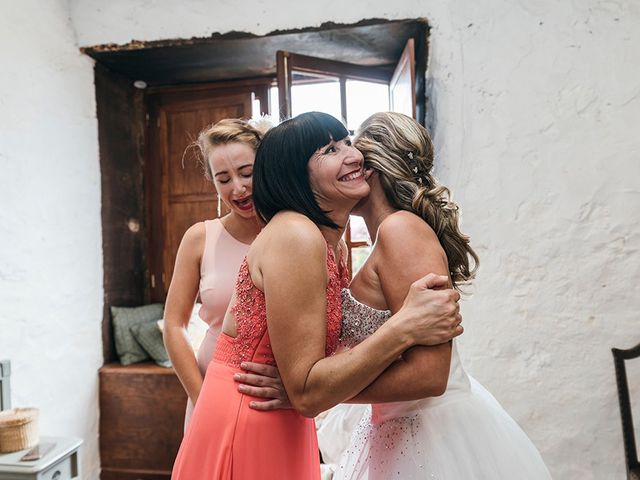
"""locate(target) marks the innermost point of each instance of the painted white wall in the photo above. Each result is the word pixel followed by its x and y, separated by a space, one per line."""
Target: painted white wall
pixel 50 233
pixel 536 108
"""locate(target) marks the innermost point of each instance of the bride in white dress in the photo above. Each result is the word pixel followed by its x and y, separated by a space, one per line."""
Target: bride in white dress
pixel 446 426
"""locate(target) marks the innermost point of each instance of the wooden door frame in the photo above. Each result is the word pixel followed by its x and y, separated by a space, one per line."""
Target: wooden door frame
pixel 158 101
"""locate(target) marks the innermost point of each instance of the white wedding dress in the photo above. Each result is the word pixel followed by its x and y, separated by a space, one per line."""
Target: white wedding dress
pixel 464 434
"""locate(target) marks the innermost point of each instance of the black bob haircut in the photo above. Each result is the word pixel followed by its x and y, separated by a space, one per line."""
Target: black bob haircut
pixel 280 174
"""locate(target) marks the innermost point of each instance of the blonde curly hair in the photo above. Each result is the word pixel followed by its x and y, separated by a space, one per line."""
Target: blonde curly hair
pixel 400 151
pixel 227 131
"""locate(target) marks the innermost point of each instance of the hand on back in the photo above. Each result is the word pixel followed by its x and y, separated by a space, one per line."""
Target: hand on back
pixel 262 381
pixel 431 313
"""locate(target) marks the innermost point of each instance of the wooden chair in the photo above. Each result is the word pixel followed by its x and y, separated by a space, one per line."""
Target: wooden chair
pixel 628 434
pixel 5 390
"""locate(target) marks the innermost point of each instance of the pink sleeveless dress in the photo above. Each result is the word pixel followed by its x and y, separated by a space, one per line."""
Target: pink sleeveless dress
pixel 219 268
pixel 228 440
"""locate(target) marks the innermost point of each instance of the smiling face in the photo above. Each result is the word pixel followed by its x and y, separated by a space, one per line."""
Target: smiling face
pixel 232 170
pixel 336 175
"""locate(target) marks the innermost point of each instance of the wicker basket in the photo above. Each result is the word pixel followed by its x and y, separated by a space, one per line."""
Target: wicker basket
pixel 18 429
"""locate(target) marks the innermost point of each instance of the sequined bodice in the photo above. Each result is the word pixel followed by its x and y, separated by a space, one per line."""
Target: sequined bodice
pixel 358 322
pixel 252 340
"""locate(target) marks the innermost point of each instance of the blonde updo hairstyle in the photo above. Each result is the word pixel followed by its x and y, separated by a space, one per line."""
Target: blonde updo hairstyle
pixel 399 149
pixel 226 131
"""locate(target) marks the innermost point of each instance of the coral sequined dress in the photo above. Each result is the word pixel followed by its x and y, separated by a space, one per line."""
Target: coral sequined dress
pixel 228 440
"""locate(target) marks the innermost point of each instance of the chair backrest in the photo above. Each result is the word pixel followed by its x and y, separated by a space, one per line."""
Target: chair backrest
pixel 5 390
pixel 628 434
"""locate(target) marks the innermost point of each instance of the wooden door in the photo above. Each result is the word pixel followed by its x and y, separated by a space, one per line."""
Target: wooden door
pixel 179 194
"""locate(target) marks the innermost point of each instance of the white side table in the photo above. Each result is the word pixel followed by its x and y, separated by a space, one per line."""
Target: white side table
pixel 61 463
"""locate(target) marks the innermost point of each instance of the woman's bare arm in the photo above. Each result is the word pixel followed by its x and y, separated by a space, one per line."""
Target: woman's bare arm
pixel 262 381
pixel 294 278
pixel 422 371
pixel 182 295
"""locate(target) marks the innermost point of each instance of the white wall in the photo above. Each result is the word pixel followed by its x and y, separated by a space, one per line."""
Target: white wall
pixel 50 234
pixel 536 109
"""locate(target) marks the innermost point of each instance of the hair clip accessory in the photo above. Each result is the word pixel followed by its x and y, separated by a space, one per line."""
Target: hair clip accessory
pixel 410 155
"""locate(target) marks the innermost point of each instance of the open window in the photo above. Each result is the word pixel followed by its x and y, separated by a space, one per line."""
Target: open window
pixel 293 70
pixel 351 92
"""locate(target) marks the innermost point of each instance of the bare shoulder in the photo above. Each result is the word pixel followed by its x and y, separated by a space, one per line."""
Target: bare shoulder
pixel 404 230
pixel 195 232
pixel 407 249
pixel 293 231
pixel 193 240
pixel 290 250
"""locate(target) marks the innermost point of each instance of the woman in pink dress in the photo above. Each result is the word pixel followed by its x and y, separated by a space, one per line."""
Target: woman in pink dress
pixel 287 310
pixel 209 258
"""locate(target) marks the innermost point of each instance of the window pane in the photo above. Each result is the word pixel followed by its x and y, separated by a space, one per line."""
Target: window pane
pixel 364 99
pixel 322 96
pixel 316 97
pixel 256 110
pixel 359 231
pixel 274 104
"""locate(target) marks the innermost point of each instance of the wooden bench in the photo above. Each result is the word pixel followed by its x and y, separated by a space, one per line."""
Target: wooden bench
pixel 142 410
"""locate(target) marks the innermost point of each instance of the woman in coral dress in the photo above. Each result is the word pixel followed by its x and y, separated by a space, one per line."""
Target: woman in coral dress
pixel 287 311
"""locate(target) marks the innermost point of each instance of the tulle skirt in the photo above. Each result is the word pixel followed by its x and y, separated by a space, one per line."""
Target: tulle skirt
pixel 462 435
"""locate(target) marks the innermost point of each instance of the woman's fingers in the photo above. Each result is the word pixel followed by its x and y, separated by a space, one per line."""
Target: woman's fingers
pixel 260 392
pixel 269 405
pixel 261 369
pixel 431 281
pixel 458 331
pixel 276 398
pixel 263 382
pixel 257 380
